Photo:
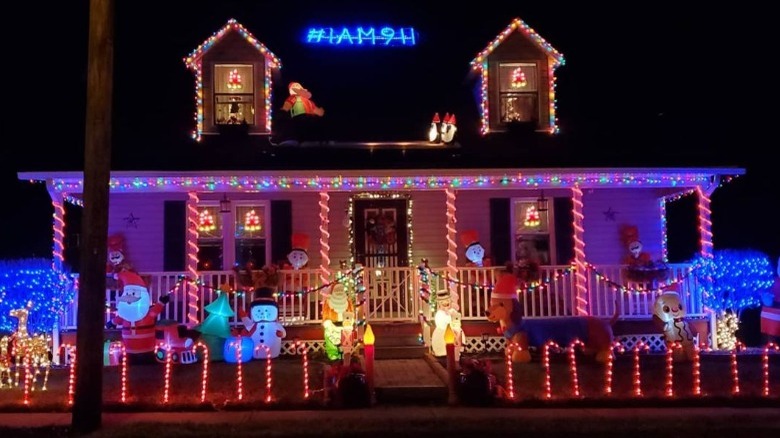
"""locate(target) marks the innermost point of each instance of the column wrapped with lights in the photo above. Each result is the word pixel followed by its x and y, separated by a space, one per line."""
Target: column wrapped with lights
pixel 580 263
pixel 452 249
pixel 58 227
pixel 705 222
pixel 192 258
pixel 324 238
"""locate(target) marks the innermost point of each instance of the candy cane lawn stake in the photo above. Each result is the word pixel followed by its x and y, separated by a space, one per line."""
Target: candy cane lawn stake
pixel 696 369
pixel 639 347
pixel 765 364
pixel 670 347
pixel 575 384
pixel 510 377
pixel 168 363
pixel 205 375
pixel 124 373
pixel 610 359
pixel 298 346
pixel 267 370
pixel 734 368
pixel 546 359
pixel 28 379
pixel 72 374
pixel 239 372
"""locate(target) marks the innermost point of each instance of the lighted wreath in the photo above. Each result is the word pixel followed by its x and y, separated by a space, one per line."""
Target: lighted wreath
pixel 381 229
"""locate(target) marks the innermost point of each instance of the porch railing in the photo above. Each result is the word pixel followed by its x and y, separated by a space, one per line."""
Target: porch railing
pixel 392 294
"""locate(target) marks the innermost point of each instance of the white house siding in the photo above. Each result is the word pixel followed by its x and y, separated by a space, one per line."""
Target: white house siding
pixel 638 207
pixel 144 240
pixel 429 216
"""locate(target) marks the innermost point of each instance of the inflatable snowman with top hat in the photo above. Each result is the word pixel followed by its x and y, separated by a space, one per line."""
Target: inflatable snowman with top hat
pixel 263 325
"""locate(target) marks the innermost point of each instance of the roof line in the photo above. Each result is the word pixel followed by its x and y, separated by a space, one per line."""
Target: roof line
pixel 192 59
pixel 519 24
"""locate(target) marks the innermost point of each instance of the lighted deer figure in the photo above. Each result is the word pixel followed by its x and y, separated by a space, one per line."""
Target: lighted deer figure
pixel 5 362
pixel 30 351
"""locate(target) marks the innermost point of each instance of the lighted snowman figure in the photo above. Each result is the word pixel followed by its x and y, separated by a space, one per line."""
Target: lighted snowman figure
pixel 299 255
pixel 475 252
pixel 347 336
pixel 135 314
pixel 263 325
pixel 441 319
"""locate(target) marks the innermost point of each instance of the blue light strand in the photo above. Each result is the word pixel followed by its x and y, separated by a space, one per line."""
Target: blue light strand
pixel 733 279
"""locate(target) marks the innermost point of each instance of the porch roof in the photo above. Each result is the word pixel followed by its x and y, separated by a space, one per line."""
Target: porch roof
pixel 389 180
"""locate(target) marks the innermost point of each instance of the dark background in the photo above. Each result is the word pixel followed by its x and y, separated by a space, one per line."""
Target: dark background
pixel 644 84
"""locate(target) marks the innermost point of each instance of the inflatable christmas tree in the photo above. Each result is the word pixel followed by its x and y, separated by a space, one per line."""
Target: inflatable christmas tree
pixel 216 327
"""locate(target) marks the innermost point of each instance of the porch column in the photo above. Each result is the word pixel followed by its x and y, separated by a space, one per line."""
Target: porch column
pixel 192 258
pixel 705 221
pixel 324 238
pixel 452 249
pixel 58 257
pixel 580 263
pixel 664 236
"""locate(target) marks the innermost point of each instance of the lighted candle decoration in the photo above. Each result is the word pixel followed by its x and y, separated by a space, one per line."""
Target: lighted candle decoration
pixel 452 371
pixel 670 367
pixel 252 221
pixel 72 374
pixel 734 367
pixel 765 365
pixel 575 384
pixel 267 371
pixel 300 345
pixel 546 359
pixel 368 349
pixel 610 360
pixel 638 348
pixel 510 377
pixel 205 375
pixel 696 369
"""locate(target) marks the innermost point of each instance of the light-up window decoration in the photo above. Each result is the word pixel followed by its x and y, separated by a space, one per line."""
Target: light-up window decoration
pixel 210 245
pixel 531 231
pixel 250 235
pixel 234 101
pixel 518 97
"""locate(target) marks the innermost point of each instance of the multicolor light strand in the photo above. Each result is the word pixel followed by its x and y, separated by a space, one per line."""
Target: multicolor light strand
pixel 71 373
pixel 765 365
pixel 510 375
pixel 638 348
pixel 300 346
pixel 452 247
pixel 268 374
pixel 581 280
pixel 192 257
pixel 555 60
pixel 324 238
pixel 705 223
pixel 664 230
pixel 575 383
pixel 670 349
pixel 610 363
pixel 205 374
pixel 546 361
pixel 269 91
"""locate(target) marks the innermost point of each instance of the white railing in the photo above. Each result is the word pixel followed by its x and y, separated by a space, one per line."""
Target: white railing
pixel 392 294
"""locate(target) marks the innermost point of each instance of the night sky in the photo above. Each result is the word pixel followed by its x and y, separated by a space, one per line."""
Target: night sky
pixel 650 81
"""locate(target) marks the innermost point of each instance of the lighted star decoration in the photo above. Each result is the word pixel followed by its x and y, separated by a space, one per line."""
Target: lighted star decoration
pixel 132 221
pixel 609 215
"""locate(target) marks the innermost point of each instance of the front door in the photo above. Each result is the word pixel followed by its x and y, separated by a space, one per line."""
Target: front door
pixel 381 239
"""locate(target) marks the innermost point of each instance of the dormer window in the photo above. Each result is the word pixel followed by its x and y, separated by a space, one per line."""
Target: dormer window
pixel 234 94
pixel 518 93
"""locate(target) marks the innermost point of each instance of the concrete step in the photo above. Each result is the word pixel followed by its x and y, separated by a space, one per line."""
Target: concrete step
pixel 405 381
pixel 400 351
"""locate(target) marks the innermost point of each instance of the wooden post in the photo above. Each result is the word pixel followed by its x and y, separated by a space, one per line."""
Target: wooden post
pixel 88 400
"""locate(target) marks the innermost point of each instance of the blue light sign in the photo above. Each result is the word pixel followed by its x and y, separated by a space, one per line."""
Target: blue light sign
pixel 362 36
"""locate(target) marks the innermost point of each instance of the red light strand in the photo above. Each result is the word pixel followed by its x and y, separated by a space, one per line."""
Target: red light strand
pixel 302 348
pixel 452 247
pixel 575 383
pixel 696 369
pixel 72 373
pixel 670 367
pixel 610 361
pixel 324 238
pixel 546 361
pixel 579 251
pixel 124 374
pixel 239 372
pixel 268 381
pixel 510 376
pixel 638 348
pixel 58 225
pixel 205 374
pixel 705 223
pixel 735 368
pixel 765 365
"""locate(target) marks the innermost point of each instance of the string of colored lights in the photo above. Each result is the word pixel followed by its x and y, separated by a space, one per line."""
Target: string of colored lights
pixel 546 361
pixel 556 60
pixel 193 61
pixel 765 365
pixel 270 183
pixel 705 223
pixel 639 290
pixel 268 381
pixel 581 282
pixel 575 383
pixel 664 230
pixel 617 345
pixel 638 348
pixel 192 256
pixel 452 246
pixel 324 238
pixel 168 363
pixel 205 374
pixel 489 286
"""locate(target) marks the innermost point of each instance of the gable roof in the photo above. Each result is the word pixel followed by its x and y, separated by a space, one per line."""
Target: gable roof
pixel 232 25
pixel 518 24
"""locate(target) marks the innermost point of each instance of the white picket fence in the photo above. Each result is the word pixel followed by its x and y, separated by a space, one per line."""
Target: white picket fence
pixel 392 294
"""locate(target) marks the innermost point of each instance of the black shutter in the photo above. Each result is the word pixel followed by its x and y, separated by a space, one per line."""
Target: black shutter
pixel 564 230
pixel 281 227
pixel 500 231
pixel 174 235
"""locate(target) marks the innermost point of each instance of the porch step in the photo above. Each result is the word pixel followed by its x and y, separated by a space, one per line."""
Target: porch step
pixel 400 352
pixel 398 341
pixel 404 381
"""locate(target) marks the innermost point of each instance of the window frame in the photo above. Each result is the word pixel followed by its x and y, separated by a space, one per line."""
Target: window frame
pixel 266 205
pixel 499 93
pixel 251 121
pixel 215 205
pixel 550 227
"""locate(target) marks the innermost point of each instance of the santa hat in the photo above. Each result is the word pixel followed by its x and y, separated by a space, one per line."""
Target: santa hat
pixel 301 242
pixel 130 278
pixel 628 234
pixel 446 117
pixel 452 120
pixel 505 288
pixel 116 243
pixel 468 238
pixel 436 118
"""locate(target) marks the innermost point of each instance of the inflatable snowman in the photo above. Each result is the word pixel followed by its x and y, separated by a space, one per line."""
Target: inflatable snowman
pixel 299 255
pixel 263 325
pixel 441 319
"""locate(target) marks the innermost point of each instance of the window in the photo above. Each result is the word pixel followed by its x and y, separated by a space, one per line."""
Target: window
pixel 518 97
pixel 234 94
pixel 531 231
pixel 209 238
pixel 250 235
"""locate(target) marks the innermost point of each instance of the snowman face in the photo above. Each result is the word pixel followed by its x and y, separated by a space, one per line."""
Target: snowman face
pixel 264 312
pixel 442 318
pixel 475 253
pixel 133 304
pixel 298 258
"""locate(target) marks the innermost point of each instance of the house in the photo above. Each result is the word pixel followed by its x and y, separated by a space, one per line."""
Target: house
pixel 388 204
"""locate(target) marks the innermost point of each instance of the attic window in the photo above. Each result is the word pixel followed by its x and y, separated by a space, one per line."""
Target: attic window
pixel 518 92
pixel 234 94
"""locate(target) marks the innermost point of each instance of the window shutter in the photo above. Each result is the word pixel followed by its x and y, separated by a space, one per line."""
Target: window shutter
pixel 564 230
pixel 174 235
pixel 500 231
pixel 281 229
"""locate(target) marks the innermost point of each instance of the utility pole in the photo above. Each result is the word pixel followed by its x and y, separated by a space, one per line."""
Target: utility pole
pixel 88 398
